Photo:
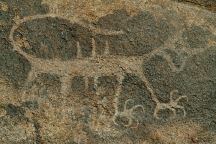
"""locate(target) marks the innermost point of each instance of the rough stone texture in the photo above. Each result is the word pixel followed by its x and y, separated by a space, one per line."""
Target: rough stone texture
pixel 208 4
pixel 107 71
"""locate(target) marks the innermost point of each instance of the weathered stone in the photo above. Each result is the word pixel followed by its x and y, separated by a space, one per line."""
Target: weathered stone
pixel 98 71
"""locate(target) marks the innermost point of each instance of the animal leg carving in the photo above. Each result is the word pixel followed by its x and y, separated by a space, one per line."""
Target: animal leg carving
pixel 93 48
pixel 86 83
pixel 118 91
pixel 149 88
pixel 96 85
pixel 107 51
pixel 79 51
pixel 156 111
pixel 65 85
pixel 30 78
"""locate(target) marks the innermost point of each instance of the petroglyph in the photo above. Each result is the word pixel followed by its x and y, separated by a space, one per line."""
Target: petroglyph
pixel 182 49
pixel 105 65
pixel 172 105
pixel 128 113
pixel 107 75
pixel 102 122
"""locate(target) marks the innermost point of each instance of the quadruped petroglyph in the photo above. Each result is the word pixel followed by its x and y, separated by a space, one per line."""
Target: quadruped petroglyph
pixel 106 64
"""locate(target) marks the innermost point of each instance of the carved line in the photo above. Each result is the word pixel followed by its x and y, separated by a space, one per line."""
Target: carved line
pixel 171 105
pixel 38 138
pixel 128 113
pixel 88 26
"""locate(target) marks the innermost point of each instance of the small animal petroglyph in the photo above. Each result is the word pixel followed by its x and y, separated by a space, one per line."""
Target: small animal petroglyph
pixel 172 105
pixel 104 65
pixel 129 113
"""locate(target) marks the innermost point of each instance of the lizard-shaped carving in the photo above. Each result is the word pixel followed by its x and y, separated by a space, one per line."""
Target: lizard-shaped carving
pixel 102 65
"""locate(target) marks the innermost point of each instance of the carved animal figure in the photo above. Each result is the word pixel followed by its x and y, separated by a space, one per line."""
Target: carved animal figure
pixel 103 65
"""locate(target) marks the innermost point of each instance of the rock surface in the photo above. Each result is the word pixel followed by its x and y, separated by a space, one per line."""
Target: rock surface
pixel 107 71
pixel 207 4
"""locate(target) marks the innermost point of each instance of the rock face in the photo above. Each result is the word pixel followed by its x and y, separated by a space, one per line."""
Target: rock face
pixel 87 72
pixel 208 4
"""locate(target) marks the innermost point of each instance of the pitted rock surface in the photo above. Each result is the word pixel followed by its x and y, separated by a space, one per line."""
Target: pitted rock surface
pixel 120 71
